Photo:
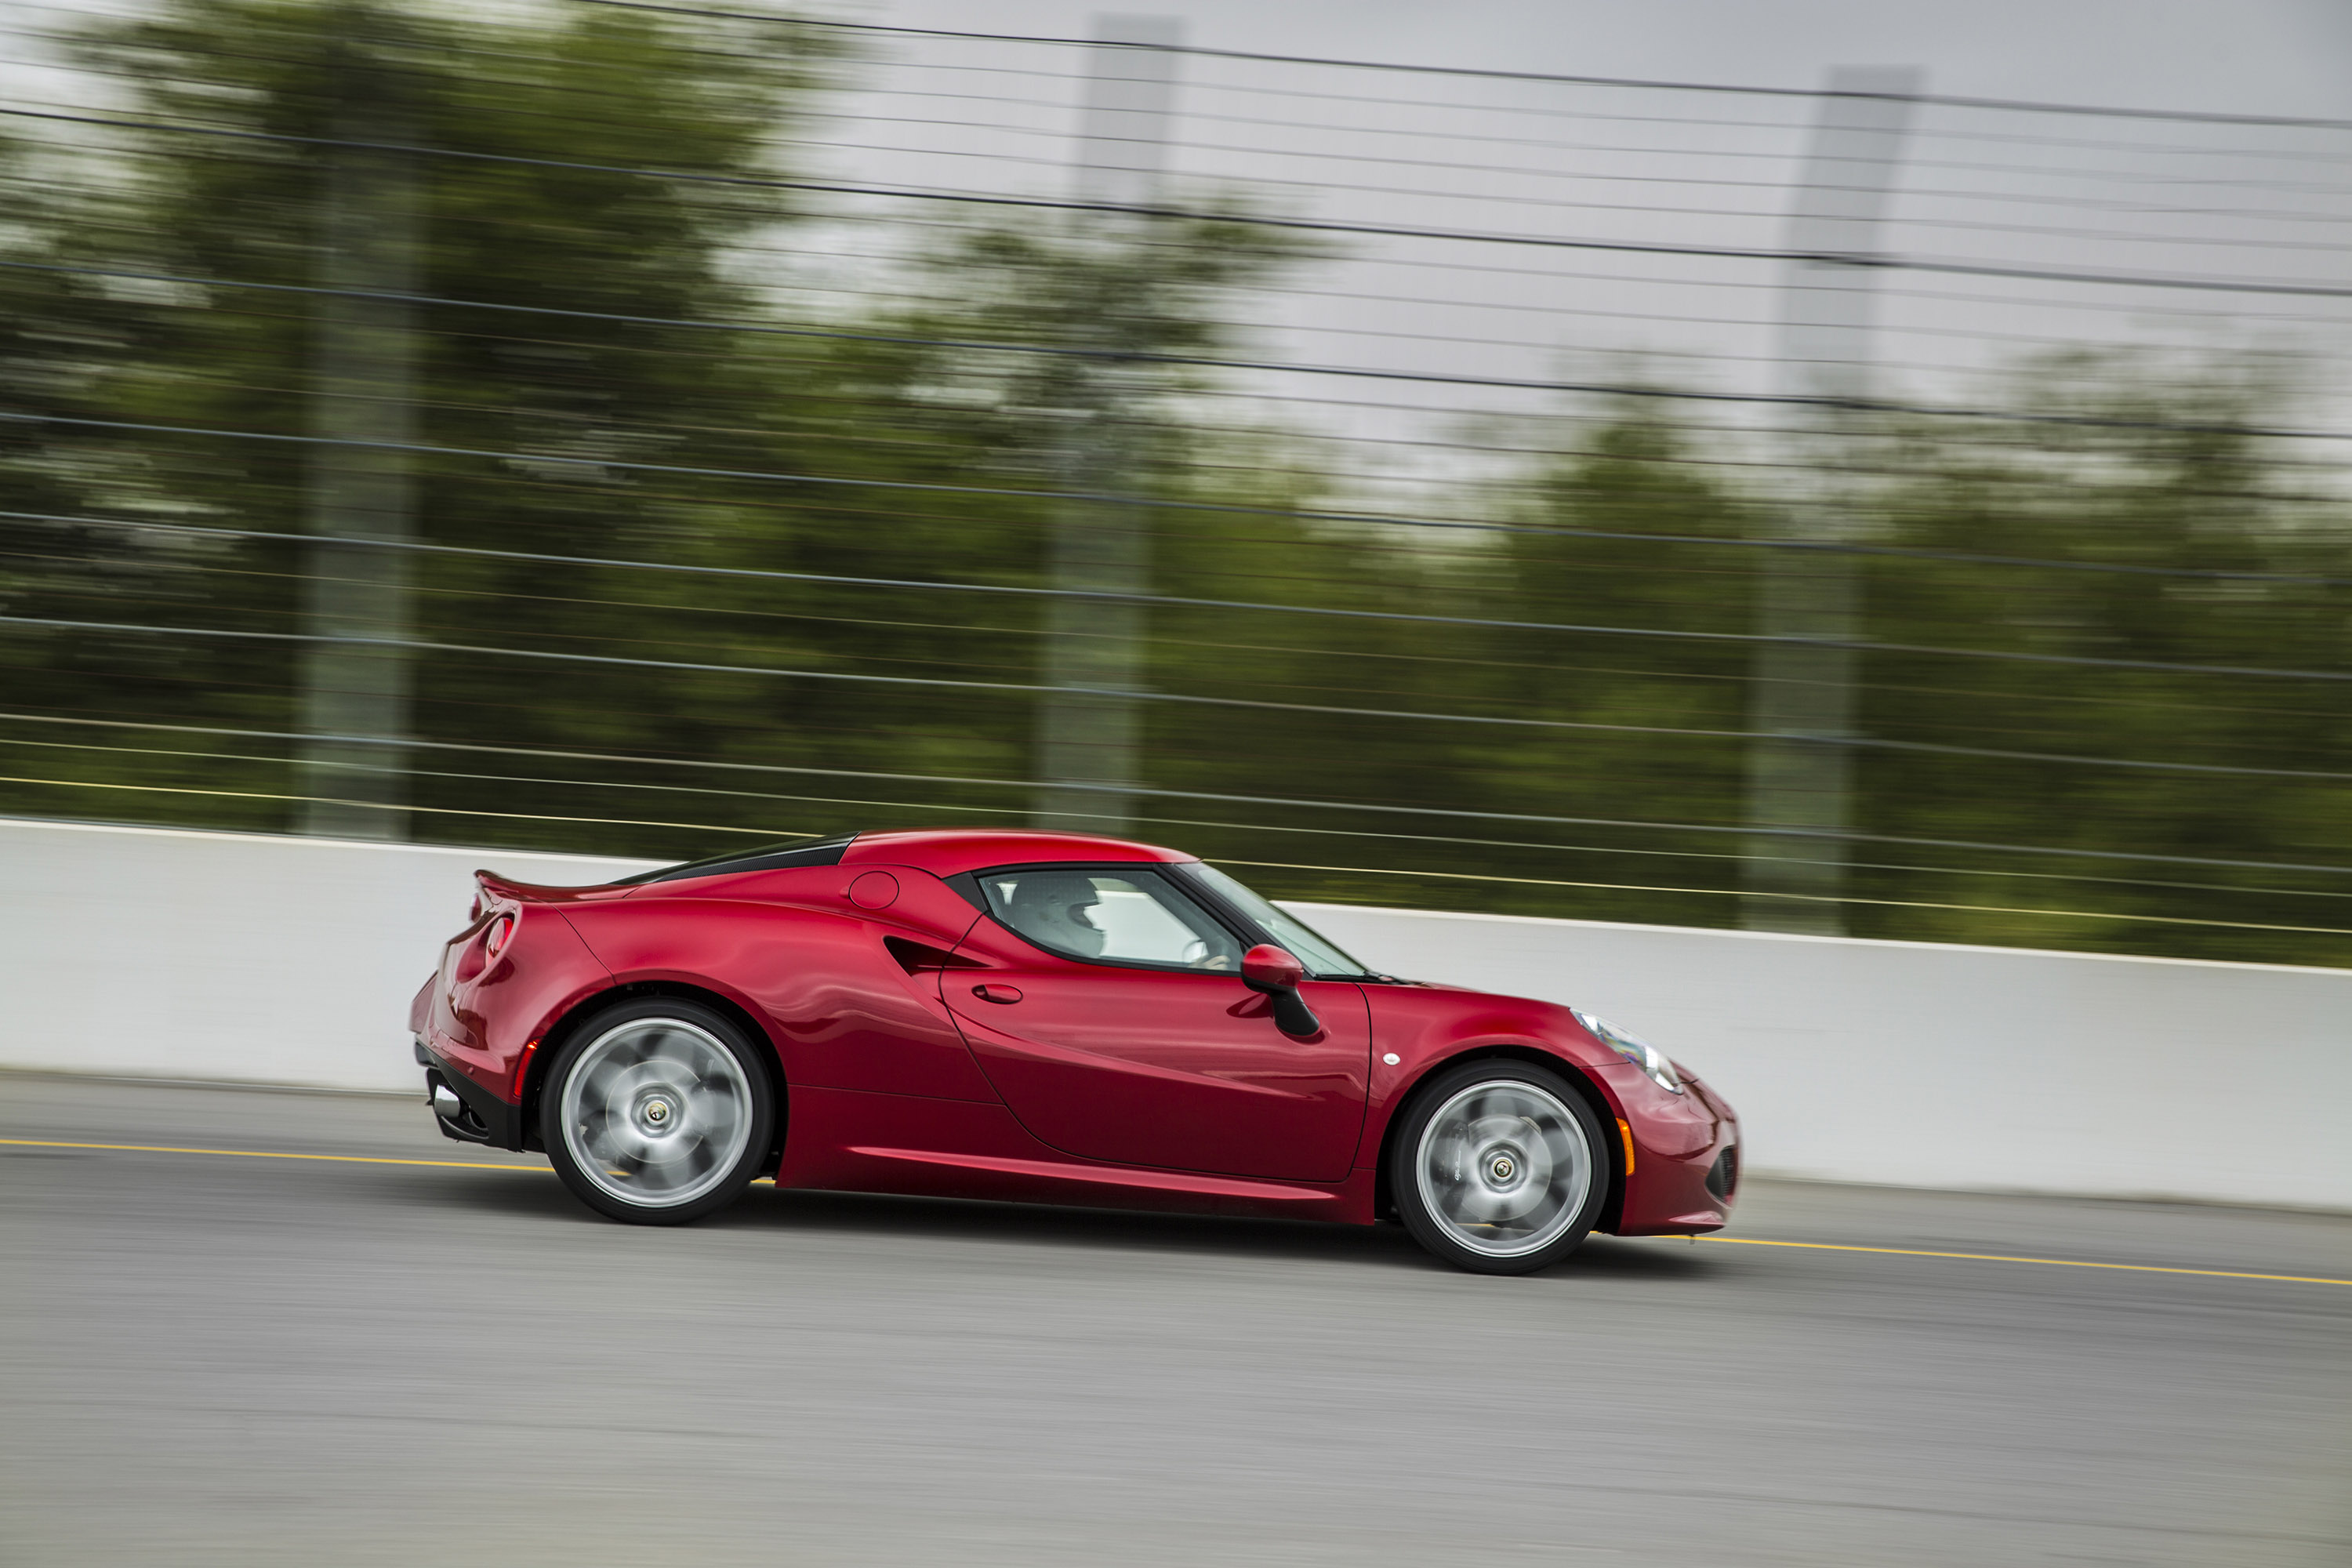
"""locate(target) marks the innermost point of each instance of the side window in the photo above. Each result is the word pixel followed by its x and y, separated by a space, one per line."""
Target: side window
pixel 1117 918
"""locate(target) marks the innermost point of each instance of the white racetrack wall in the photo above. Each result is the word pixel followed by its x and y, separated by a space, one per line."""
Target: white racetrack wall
pixel 288 960
pixel 1923 1065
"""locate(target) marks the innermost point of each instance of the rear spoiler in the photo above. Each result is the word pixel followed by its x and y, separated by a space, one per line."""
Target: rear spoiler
pixel 507 890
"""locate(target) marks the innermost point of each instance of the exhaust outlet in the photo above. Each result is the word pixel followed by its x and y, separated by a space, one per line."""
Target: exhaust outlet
pixel 451 1114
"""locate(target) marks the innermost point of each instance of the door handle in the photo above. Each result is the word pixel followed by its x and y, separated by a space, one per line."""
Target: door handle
pixel 1004 995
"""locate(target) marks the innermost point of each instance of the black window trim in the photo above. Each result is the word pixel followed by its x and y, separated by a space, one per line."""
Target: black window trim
pixel 1245 931
pixel 1202 893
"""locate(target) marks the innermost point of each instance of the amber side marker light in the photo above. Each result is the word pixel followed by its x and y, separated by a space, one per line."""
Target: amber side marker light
pixel 1626 1134
pixel 523 1070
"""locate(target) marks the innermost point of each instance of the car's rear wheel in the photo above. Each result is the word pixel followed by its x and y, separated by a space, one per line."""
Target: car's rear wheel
pixel 657 1111
pixel 1498 1167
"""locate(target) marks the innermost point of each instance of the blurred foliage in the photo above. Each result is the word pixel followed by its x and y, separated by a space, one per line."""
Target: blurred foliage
pixel 652 438
pixel 2161 477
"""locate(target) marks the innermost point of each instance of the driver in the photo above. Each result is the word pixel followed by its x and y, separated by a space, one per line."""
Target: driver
pixel 1054 907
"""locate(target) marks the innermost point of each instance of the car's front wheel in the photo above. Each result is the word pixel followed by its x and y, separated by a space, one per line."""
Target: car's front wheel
pixel 657 1111
pixel 1498 1167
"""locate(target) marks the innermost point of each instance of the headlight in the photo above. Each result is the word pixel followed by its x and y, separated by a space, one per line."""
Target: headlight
pixel 1635 1050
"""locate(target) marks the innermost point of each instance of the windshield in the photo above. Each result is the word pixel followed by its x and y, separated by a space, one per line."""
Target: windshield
pixel 1322 957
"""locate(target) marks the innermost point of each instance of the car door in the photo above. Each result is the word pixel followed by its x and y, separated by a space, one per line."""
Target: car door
pixel 1107 1008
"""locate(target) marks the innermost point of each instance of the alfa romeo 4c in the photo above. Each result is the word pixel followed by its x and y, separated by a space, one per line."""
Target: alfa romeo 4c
pixel 1047 1017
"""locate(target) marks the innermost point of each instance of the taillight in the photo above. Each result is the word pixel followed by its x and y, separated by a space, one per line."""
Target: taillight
pixel 495 939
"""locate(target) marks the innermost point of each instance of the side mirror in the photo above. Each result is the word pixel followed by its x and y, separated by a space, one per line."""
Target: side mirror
pixel 1269 968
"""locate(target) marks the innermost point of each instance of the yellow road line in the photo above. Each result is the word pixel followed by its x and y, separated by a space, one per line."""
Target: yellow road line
pixel 2011 1257
pixel 1733 1240
pixel 267 1155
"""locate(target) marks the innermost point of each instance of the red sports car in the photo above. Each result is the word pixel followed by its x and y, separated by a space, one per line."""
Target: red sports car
pixel 1041 1016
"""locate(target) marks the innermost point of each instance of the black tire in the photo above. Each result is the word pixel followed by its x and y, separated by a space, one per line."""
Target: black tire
pixel 1515 1164
pixel 657 1111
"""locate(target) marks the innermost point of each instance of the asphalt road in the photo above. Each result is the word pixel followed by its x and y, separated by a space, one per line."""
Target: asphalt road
pixel 215 1360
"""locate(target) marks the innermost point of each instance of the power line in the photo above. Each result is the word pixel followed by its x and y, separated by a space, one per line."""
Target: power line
pixel 1026 689
pixel 1630 391
pixel 379 806
pixel 1489 74
pixel 1953 267
pixel 1189 601
pixel 1446 840
pixel 1359 688
pixel 1842 899
pixel 1284 802
pixel 1140 501
pixel 1667 85
pixel 1221 860
pixel 1277 367
pixel 1187 699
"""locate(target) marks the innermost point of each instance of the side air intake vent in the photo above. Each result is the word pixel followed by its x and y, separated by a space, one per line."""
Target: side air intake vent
pixel 1723 1176
pixel 915 957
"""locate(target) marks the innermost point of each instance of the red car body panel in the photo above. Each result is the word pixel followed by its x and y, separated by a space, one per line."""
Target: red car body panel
pixel 480 1013
pixel 1672 1143
pixel 895 1143
pixel 817 972
pixel 1181 1069
pixel 925 1048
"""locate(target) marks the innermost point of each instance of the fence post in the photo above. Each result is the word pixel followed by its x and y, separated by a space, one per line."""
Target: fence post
pixel 1087 739
pixel 355 700
pixel 1801 694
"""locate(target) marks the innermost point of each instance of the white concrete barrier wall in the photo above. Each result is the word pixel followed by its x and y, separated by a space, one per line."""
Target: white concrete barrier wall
pixel 1925 1064
pixel 204 955
pixel 228 955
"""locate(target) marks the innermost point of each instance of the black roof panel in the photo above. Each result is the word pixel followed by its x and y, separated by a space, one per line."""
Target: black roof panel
pixel 767 857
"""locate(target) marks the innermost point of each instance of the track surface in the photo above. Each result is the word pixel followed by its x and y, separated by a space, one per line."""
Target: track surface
pixel 244 1361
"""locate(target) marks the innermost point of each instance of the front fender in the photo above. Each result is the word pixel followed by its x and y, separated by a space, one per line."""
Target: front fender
pixel 1660 1145
pixel 1425 1027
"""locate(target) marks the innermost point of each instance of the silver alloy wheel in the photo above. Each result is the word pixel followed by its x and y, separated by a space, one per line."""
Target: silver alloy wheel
pixel 656 1112
pixel 1505 1167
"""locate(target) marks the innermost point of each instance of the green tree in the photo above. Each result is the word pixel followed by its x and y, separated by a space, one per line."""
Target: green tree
pixel 2151 480
pixel 553 270
pixel 616 364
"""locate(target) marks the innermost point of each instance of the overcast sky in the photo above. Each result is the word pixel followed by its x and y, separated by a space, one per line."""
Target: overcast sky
pixel 2036 191
pixel 2269 57
pixel 1473 153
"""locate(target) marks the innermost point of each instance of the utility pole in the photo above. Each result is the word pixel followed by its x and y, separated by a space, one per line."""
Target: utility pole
pixel 1801 694
pixel 1087 739
pixel 354 707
